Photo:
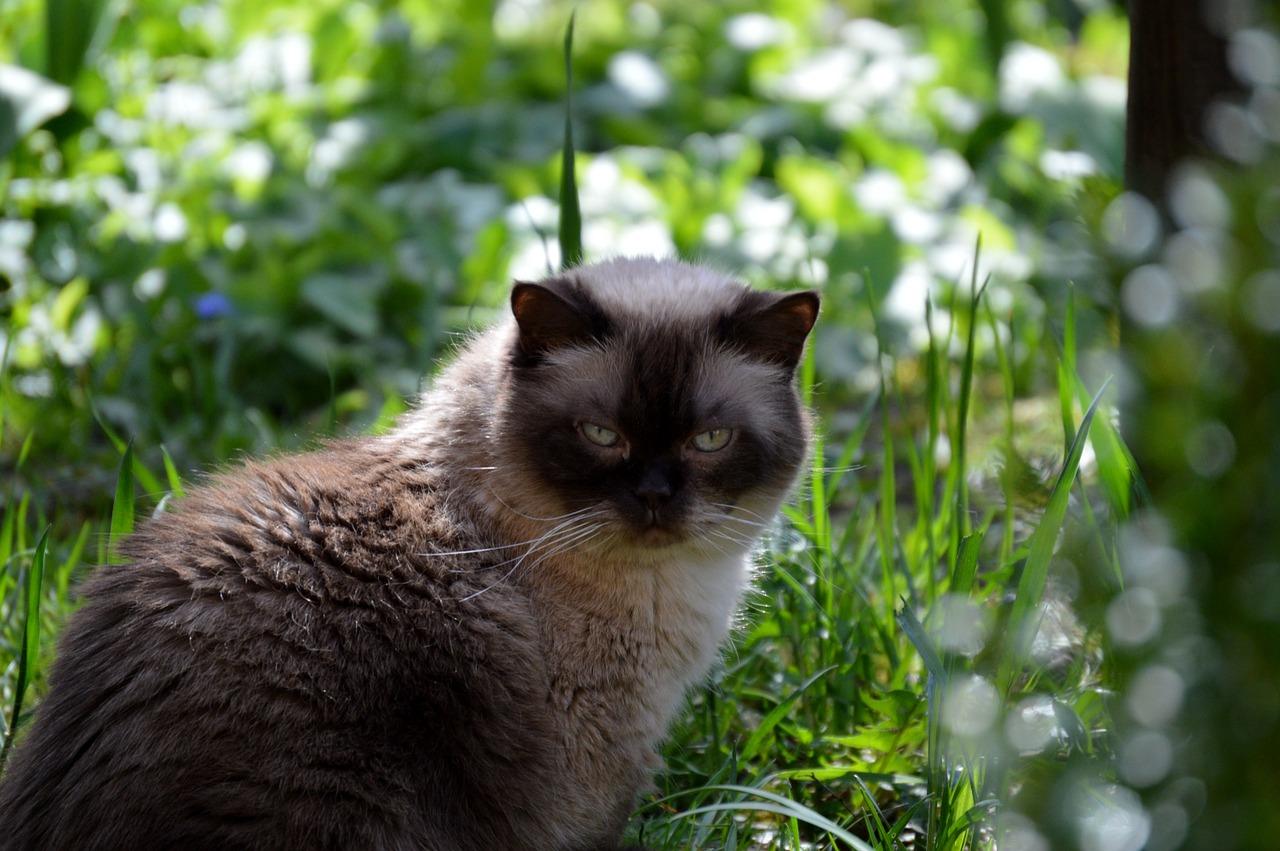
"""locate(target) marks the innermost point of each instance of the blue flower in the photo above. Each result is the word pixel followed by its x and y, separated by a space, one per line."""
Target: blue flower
pixel 212 305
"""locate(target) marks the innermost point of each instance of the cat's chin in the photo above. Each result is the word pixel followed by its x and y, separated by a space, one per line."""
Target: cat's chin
pixel 657 537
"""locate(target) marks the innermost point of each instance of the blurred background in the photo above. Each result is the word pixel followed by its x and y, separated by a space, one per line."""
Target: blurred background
pixel 232 227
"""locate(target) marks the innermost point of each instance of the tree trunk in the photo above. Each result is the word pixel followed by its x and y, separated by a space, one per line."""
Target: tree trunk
pixel 1177 67
pixel 1203 429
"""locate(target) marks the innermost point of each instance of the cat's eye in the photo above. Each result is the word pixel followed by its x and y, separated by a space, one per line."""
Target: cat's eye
pixel 712 441
pixel 599 435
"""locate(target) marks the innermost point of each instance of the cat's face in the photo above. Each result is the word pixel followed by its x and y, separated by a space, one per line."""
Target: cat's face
pixel 656 423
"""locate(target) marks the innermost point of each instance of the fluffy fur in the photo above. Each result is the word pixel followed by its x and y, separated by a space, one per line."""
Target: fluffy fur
pixel 470 633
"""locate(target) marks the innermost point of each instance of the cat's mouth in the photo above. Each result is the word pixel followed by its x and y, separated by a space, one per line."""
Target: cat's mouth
pixel 657 535
pixel 654 531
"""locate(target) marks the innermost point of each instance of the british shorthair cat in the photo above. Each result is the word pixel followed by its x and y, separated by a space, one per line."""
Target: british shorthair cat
pixel 469 633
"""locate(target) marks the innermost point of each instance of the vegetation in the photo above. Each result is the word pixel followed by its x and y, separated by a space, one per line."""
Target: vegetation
pixel 231 228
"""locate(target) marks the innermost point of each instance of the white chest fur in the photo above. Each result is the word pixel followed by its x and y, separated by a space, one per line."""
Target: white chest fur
pixel 625 647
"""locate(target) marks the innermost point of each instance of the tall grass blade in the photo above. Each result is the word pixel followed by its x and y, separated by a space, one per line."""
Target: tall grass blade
pixel 929 474
pixel 919 638
pixel 124 509
pixel 967 563
pixel 935 686
pixel 961 523
pixel 150 483
pixel 774 803
pixel 887 527
pixel 1115 467
pixel 1024 619
pixel 570 213
pixel 171 473
pixel 1067 371
pixel 30 641
pixel 62 574
pixel 761 733
pixel 4 379
pixel 1007 382
pixel 817 475
pixel 71 33
pixel 7 530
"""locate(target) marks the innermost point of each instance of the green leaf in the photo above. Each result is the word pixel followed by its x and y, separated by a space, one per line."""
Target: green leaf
pixel 570 213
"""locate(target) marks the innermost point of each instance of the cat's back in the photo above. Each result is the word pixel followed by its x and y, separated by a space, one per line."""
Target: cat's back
pixel 284 662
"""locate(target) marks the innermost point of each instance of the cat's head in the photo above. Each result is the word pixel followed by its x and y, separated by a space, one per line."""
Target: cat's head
pixel 652 404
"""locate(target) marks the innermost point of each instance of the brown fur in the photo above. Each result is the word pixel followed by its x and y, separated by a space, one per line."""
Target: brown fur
pixel 468 634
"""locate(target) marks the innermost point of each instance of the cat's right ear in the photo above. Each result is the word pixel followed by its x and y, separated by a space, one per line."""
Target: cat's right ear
pixel 548 320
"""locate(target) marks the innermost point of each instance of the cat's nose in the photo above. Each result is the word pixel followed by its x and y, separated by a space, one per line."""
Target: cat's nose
pixel 654 488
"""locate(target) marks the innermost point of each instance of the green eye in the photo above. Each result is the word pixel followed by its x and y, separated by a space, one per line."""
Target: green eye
pixel 712 441
pixel 599 435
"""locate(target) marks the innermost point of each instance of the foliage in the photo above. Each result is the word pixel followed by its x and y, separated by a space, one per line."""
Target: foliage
pixel 223 226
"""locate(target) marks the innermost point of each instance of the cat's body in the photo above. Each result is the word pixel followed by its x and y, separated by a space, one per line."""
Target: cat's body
pixel 470 633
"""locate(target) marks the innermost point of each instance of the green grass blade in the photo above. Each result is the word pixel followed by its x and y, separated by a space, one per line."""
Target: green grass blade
pixel 817 475
pixel 967 563
pixel 124 509
pixel 570 213
pixel 171 473
pixel 145 477
pixel 761 733
pixel 775 803
pixel 4 379
pixel 30 641
pixel 1024 620
pixel 934 416
pixel 917 635
pixel 8 525
pixel 1067 371
pixel 1008 385
pixel 27 443
pixel 62 575
pixel 70 29
pixel 961 523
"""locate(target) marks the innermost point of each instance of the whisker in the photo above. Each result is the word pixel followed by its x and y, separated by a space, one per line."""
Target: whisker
pixel 581 513
pixel 849 469
pixel 562 537
pixel 518 513
pixel 731 507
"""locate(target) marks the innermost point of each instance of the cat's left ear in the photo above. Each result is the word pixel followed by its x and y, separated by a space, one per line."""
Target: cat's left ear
pixel 776 331
pixel 549 320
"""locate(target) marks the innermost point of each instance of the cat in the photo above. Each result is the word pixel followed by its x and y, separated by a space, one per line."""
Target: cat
pixel 468 633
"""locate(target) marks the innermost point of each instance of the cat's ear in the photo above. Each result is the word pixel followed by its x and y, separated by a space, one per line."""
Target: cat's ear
pixel 548 320
pixel 774 327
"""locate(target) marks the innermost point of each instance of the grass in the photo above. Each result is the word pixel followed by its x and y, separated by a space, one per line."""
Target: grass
pixel 890 639
pixel 844 715
pixel 858 693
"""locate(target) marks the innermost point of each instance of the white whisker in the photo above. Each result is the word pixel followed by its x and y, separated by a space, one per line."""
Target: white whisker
pixel 564 518
pixel 573 529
